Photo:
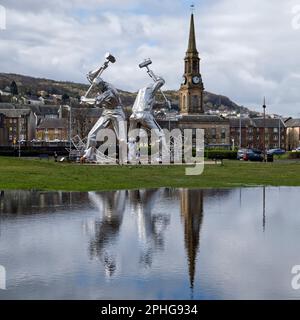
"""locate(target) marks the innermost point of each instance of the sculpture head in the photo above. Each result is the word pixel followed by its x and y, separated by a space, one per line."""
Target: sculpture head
pixel 102 85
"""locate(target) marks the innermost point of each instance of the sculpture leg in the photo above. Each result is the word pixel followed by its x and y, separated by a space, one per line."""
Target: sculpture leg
pixel 120 128
pixel 149 122
pixel 103 122
pixel 132 150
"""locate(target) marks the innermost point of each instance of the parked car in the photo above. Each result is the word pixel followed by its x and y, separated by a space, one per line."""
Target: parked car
pixel 240 154
pixel 276 151
pixel 253 155
pixel 296 150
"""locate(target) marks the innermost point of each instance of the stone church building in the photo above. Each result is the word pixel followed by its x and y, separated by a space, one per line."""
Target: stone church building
pixel 192 116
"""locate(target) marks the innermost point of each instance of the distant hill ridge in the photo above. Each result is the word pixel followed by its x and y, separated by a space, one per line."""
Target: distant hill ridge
pixel 28 84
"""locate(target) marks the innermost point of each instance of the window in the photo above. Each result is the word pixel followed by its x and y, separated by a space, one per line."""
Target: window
pixel 213 133
pixel 275 130
pixel 195 66
pixel 223 133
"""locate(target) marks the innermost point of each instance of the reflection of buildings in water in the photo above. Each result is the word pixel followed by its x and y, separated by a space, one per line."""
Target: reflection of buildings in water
pixel 111 205
pixel 192 214
pixel 219 194
pixel 33 202
pixel 264 209
pixel 150 226
pixel 1 205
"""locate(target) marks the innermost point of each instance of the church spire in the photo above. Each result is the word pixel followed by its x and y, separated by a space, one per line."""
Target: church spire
pixel 192 39
pixel 191 90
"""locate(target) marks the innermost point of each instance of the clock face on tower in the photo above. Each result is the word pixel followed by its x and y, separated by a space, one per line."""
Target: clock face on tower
pixel 196 79
pixel 183 80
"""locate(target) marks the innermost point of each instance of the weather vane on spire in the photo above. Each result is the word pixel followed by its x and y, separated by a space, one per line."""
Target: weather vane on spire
pixel 192 6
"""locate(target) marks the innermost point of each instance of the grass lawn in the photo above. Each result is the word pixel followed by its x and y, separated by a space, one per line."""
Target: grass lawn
pixel 47 175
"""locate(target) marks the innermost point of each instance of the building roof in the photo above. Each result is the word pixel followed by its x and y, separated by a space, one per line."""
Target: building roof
pixel 42 110
pixel 15 113
pixel 53 124
pixel 4 105
pixel 87 112
pixel 292 123
pixel 243 122
pixel 270 122
pixel 202 118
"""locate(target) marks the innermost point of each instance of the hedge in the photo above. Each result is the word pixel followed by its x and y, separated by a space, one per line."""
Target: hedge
pixel 220 154
pixel 293 155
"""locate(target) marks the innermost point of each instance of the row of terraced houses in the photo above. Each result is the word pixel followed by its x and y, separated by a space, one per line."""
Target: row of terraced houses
pixel 51 123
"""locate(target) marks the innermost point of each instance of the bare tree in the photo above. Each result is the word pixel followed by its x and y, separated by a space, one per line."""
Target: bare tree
pixel 81 122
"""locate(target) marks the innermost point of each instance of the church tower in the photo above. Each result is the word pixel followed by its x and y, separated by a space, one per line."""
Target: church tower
pixel 191 89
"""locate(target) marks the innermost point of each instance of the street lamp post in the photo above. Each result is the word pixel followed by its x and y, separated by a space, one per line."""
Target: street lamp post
pixel 279 134
pixel 20 117
pixel 264 139
pixel 70 127
pixel 240 129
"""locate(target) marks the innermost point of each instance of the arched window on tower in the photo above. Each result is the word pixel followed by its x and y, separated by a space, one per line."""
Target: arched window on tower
pixel 186 67
pixel 186 102
pixel 195 66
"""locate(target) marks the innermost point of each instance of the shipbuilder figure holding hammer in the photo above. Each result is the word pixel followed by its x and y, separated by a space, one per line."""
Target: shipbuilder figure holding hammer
pixel 142 114
pixel 113 113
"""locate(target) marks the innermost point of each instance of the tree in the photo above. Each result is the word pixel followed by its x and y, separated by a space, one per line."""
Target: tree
pixel 65 98
pixel 14 88
pixel 81 121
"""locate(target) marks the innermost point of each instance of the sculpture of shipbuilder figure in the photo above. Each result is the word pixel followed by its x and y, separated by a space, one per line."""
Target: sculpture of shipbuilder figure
pixel 142 113
pixel 113 113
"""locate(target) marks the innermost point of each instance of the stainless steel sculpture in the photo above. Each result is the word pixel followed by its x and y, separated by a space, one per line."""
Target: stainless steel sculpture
pixel 113 113
pixel 142 111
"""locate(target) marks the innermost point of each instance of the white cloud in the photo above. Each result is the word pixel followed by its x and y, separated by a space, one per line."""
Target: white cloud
pixel 248 49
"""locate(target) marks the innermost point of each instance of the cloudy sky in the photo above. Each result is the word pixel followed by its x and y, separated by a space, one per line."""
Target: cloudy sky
pixel 248 49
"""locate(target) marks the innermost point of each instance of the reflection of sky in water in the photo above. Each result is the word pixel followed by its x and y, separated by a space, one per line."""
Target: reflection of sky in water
pixel 150 244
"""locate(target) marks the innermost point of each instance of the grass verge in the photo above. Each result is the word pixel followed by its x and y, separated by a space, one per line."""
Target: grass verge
pixel 47 175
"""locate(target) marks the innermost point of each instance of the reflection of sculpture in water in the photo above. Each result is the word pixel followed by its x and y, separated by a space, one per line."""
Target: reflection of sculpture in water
pixel 192 214
pixel 112 206
pixel 150 227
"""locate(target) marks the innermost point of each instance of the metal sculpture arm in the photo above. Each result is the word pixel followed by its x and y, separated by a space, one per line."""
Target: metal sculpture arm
pixel 93 76
pixel 145 64
pixel 90 101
